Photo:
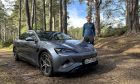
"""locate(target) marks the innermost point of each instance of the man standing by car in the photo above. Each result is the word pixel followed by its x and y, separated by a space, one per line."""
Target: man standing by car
pixel 89 31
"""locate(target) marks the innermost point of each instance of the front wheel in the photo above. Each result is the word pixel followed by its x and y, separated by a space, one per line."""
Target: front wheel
pixel 45 63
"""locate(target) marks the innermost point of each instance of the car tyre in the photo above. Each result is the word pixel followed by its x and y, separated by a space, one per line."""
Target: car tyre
pixel 45 64
pixel 96 63
pixel 16 55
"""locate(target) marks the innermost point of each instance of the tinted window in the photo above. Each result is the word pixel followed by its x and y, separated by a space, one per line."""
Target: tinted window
pixel 44 35
pixel 61 36
pixel 32 35
pixel 23 36
pixel 53 36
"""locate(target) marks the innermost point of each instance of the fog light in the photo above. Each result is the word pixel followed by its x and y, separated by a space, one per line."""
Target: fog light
pixel 67 63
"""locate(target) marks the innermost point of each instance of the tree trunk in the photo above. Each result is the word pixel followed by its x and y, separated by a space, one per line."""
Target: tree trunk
pixel 19 29
pixel 133 18
pixel 89 9
pixel 0 33
pixel 97 22
pixel 4 35
pixel 127 13
pixel 54 22
pixel 44 16
pixel 35 19
pixel 32 16
pixel 60 16
pixel 50 14
pixel 28 15
pixel 65 16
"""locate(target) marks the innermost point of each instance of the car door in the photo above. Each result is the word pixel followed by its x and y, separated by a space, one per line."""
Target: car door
pixel 31 47
pixel 21 45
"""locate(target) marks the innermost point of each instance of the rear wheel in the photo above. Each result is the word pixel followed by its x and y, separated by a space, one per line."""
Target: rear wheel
pixel 45 63
pixel 16 55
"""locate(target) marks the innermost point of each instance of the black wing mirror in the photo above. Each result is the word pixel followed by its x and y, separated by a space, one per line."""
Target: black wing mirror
pixel 29 39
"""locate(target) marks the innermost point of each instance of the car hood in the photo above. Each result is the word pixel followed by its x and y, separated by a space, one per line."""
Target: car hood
pixel 77 45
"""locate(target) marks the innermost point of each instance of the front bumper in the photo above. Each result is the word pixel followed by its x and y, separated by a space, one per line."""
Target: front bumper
pixel 68 62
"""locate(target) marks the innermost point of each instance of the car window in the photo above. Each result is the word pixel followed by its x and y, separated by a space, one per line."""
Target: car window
pixel 61 36
pixel 32 35
pixel 43 36
pixel 23 36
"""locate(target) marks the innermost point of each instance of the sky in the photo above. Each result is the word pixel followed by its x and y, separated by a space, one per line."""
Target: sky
pixel 77 14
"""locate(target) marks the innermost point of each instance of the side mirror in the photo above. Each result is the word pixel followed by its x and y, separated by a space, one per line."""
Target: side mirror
pixel 29 39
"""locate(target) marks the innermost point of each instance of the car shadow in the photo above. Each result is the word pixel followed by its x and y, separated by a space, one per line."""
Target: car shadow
pixel 104 66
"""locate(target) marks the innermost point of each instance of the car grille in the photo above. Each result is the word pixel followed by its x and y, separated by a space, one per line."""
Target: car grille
pixel 83 49
pixel 81 58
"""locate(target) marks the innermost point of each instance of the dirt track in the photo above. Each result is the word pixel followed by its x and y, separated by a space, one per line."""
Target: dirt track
pixel 112 69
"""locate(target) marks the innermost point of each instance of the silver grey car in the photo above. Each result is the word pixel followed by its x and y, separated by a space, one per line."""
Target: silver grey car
pixel 53 51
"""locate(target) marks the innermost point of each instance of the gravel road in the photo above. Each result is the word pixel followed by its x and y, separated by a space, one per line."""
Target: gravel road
pixel 112 69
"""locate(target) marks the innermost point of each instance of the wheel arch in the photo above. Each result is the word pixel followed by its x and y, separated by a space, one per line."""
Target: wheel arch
pixel 14 48
pixel 40 52
pixel 46 51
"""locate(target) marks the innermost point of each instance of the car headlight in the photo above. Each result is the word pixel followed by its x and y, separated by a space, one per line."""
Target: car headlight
pixel 64 50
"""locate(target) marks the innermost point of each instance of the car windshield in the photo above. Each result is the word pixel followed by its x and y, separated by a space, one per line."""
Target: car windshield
pixel 53 36
pixel 61 36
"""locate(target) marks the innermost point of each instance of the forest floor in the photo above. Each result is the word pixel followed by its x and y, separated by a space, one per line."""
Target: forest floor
pixel 119 63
